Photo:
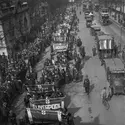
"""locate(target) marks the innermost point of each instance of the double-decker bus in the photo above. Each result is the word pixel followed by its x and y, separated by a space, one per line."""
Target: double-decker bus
pixel 104 16
pixel 96 7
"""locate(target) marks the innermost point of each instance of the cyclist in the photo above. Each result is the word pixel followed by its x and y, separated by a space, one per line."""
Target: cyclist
pixel 104 93
pixel 86 84
pixel 104 97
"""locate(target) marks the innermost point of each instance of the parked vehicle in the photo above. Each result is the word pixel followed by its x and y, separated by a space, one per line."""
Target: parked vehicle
pixel 94 29
pixel 115 75
pixel 88 21
pixel 104 16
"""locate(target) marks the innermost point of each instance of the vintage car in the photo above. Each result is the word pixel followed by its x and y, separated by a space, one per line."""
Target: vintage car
pixel 88 21
pixel 86 13
pixel 94 29
pixel 115 74
pixel 100 33
pixel 105 46
pixel 104 16
pixel 35 116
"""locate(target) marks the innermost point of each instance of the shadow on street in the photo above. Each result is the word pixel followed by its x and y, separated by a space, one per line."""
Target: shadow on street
pixel 96 121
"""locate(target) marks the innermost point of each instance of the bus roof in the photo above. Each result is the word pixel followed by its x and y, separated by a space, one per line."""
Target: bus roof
pixel 104 37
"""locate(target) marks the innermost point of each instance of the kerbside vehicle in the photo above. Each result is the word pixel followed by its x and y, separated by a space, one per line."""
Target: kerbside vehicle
pixel 104 16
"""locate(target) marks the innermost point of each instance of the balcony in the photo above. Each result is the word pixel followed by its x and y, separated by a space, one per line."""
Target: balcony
pixel 13 9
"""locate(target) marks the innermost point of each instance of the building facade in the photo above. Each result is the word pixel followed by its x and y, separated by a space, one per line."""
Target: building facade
pixel 16 24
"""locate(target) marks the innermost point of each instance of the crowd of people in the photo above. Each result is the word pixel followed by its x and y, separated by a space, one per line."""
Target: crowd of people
pixel 58 70
pixel 15 74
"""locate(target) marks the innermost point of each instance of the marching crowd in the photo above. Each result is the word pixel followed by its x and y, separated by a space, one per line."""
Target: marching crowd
pixel 14 75
pixel 59 68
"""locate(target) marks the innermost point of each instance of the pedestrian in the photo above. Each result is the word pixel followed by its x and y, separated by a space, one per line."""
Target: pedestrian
pixel 22 121
pixel 86 84
pixel 119 47
pixel 115 50
pixel 70 119
pixel 94 50
pixel 12 117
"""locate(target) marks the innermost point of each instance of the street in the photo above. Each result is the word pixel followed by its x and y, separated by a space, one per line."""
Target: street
pixel 91 110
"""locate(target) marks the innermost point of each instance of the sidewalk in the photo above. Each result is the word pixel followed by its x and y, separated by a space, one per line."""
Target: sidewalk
pixel 117 23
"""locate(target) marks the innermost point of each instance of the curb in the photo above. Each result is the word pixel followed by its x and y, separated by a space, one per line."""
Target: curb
pixel 117 24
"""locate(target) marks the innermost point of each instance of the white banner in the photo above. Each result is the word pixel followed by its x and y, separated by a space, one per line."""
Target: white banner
pixel 51 106
pixel 60 47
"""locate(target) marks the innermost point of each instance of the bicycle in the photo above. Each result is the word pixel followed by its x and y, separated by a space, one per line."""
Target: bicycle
pixel 106 104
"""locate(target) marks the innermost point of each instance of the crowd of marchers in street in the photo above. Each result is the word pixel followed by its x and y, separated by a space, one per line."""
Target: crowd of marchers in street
pixel 15 72
pixel 19 72
pixel 63 67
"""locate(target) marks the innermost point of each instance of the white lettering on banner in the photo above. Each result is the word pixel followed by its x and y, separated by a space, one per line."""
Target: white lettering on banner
pixel 60 47
pixel 41 107
pixel 47 101
pixel 43 112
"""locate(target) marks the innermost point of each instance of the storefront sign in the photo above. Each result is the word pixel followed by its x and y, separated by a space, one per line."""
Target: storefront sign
pixel 52 106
